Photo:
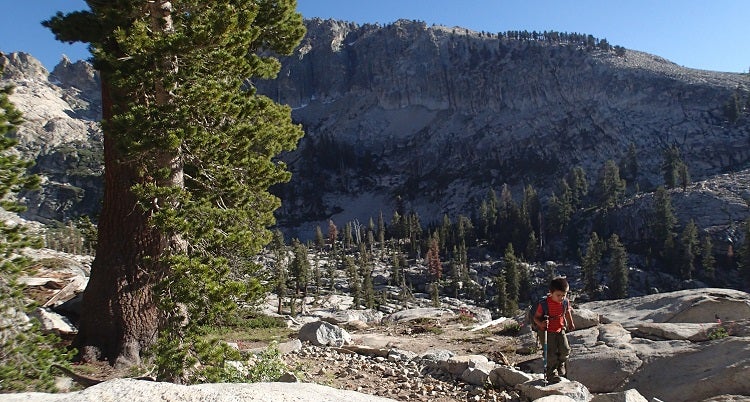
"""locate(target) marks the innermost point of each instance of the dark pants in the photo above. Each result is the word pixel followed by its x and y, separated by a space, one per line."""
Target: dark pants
pixel 558 350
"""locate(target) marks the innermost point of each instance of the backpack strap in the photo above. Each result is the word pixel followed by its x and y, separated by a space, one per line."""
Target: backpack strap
pixel 545 307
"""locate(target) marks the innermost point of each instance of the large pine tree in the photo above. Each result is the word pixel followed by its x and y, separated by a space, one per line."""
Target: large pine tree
pixel 189 156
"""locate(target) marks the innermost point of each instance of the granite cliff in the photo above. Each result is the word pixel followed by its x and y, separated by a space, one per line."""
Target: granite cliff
pixel 431 118
pixel 437 116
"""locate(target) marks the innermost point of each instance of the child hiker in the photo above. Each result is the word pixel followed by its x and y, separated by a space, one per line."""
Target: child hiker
pixel 559 319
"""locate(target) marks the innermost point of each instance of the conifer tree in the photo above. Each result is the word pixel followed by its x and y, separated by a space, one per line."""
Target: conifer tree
pixel 463 228
pixel 488 213
pixel 278 248
pixel 299 269
pixel 395 226
pixel 456 272
pixel 501 300
pixel 670 166
pixel 395 269
pixel 414 231
pixel 370 240
pixel 743 262
pixel 446 235
pixel 629 164
pixel 318 276
pixel 618 268
pixel 611 186
pixel 512 277
pixel 333 234
pixel 590 265
pixel 352 273
pixel 509 226
pixel 560 208
pixel 708 261
pixel 663 223
pixel 434 265
pixel 365 272
pixel 531 208
pixel 688 250
pixel 319 239
pixel 684 176
pixel 189 156
pixel 348 240
pixel 505 205
pixel 733 108
pixel 331 276
pixel 381 231
pixel 434 289
pixel 578 185
pixel 532 247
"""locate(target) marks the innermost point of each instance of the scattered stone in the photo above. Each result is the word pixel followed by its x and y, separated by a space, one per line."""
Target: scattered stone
pixel 288 377
pixel 571 389
pixel 583 318
pixel 320 333
pixel 52 322
pixel 290 347
pixel 504 376
pixel 418 314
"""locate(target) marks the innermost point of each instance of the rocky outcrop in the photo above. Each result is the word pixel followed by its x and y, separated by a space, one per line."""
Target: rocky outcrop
pixel 685 306
pixel 687 345
pixel 60 133
pixel 147 391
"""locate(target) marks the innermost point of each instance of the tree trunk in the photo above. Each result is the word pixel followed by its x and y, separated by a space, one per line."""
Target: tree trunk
pixel 119 316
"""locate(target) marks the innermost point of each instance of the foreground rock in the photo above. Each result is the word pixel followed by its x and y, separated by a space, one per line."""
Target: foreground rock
pixel 146 391
pixel 688 345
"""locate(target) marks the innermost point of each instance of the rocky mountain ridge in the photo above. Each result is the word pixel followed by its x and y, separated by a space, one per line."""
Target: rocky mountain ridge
pixel 428 119
pixel 437 116
pixel 60 133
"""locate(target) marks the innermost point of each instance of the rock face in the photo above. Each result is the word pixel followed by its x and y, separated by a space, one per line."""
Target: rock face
pixel 683 355
pixel 437 116
pixel 146 391
pixel 60 133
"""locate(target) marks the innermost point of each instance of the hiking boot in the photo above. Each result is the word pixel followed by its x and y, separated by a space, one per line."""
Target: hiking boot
pixel 554 379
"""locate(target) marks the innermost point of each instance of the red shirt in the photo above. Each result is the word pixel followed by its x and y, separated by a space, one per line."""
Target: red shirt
pixel 556 315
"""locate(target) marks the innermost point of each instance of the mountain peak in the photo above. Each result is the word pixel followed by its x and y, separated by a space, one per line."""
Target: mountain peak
pixel 22 66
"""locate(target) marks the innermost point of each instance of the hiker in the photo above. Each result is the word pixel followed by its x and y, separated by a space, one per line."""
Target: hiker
pixel 559 319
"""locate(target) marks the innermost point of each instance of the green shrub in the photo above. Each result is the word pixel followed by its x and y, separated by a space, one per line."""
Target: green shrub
pixel 512 328
pixel 264 321
pixel 718 333
pixel 268 365
pixel 26 361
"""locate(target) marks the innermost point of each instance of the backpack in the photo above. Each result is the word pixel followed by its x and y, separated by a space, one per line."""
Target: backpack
pixel 545 310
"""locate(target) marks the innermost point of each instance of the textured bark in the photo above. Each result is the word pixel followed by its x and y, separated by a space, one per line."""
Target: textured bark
pixel 119 317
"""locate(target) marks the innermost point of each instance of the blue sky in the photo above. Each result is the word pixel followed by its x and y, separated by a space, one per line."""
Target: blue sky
pixel 711 35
